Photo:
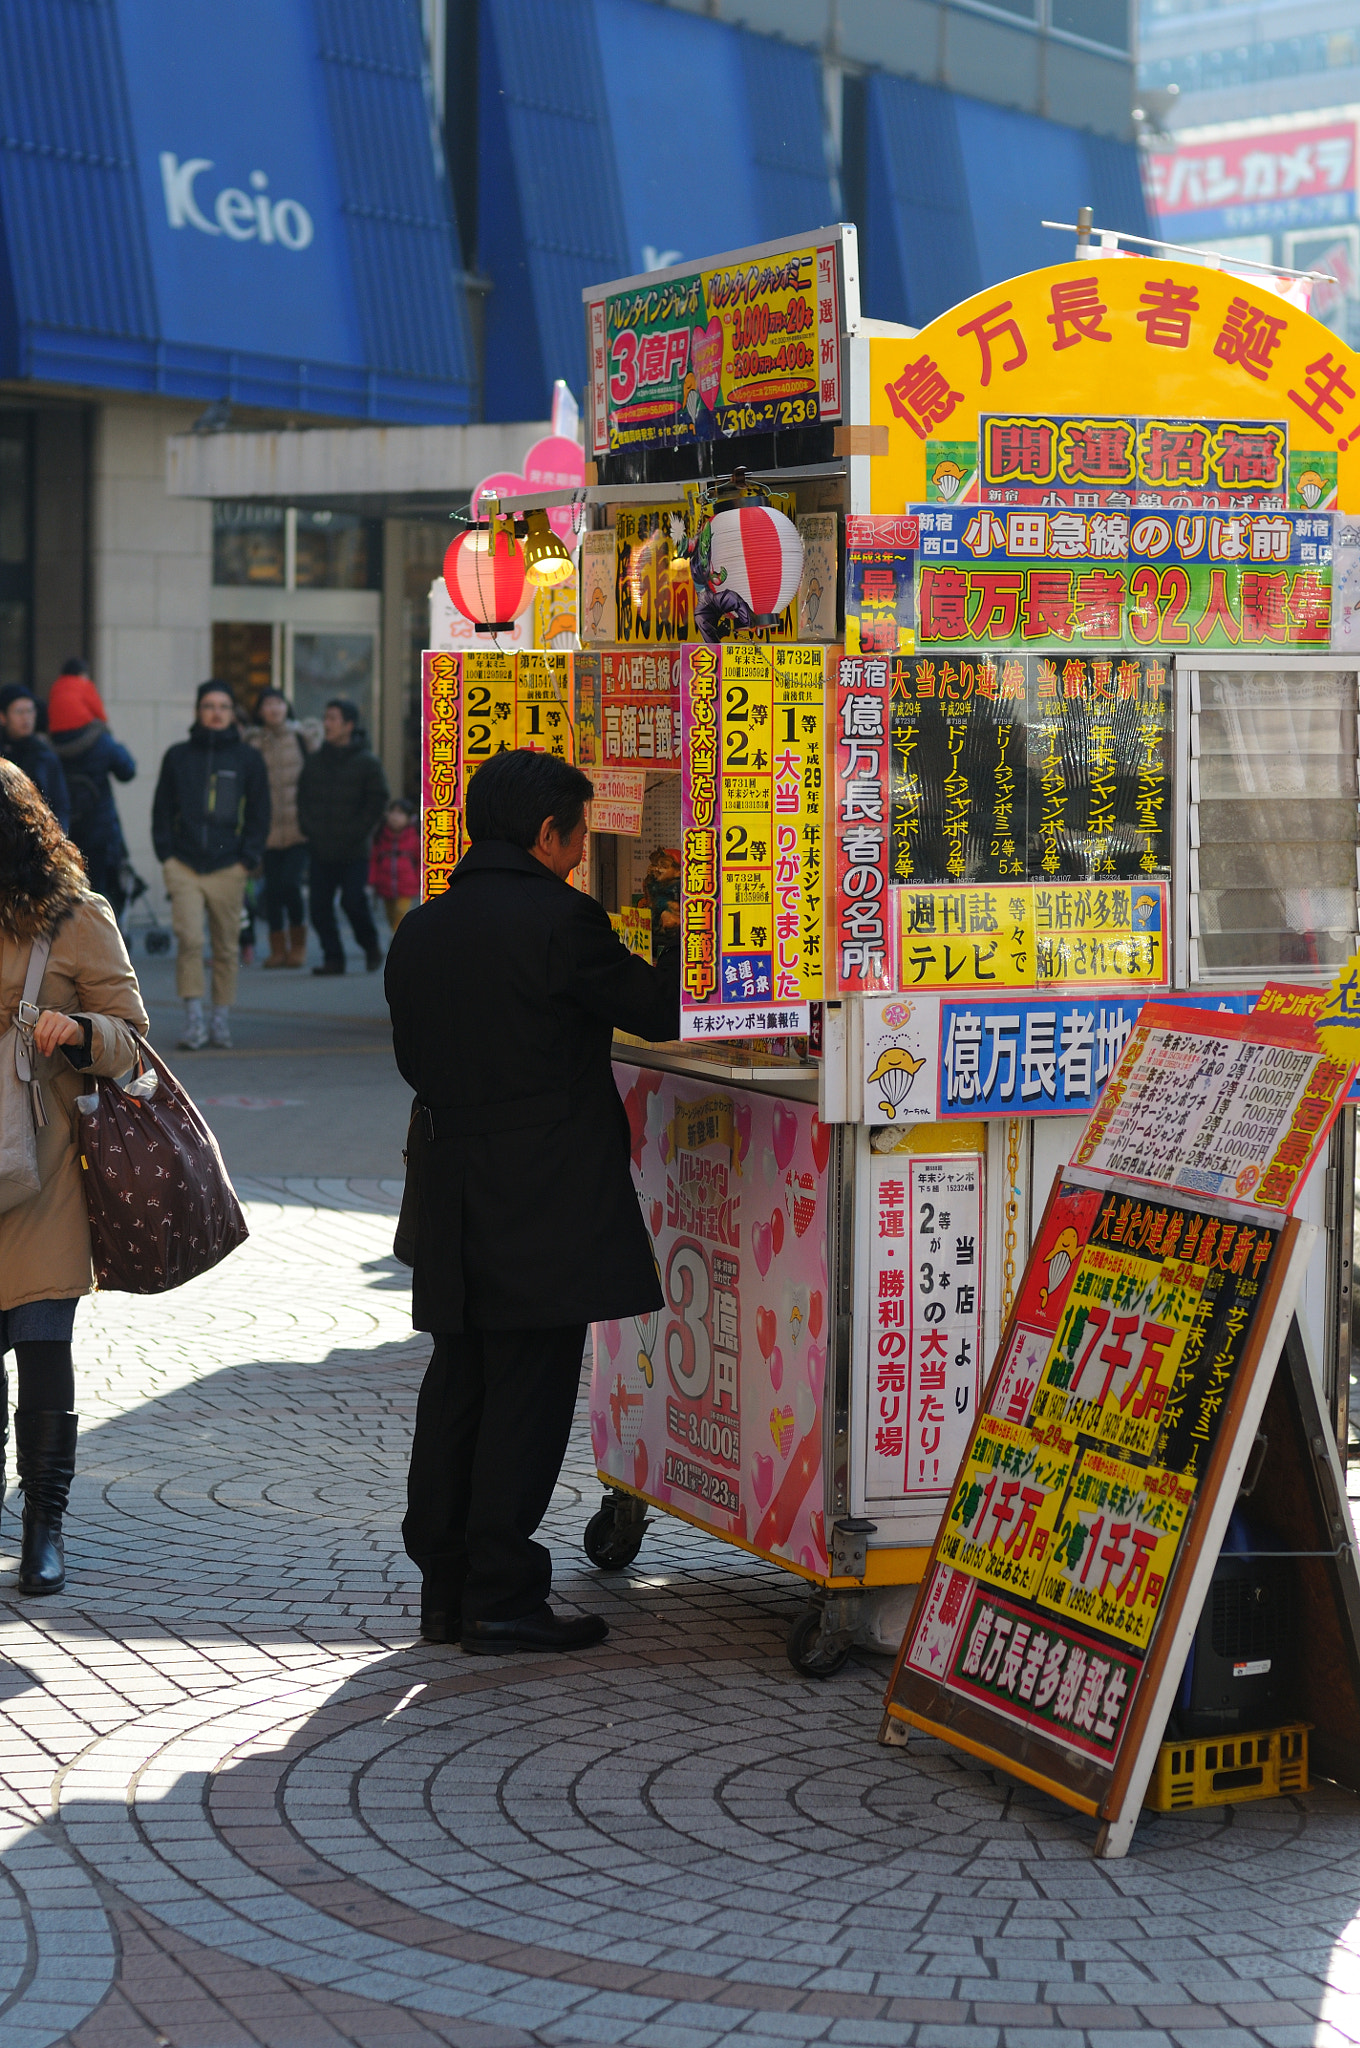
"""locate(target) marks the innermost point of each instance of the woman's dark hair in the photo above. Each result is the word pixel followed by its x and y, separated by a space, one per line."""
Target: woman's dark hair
pixel 512 793
pixel 403 803
pixel 270 690
pixel 37 860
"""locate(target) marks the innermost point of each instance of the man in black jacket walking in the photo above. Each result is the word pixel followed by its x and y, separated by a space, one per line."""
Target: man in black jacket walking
pixel 504 993
pixel 341 798
pixel 209 822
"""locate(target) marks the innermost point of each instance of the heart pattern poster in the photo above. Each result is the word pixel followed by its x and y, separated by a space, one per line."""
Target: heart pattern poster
pixel 713 1405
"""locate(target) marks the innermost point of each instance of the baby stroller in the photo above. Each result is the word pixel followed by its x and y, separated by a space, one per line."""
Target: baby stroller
pixel 158 937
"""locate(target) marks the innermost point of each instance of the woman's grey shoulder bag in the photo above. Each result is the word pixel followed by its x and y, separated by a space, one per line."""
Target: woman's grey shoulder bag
pixel 22 1114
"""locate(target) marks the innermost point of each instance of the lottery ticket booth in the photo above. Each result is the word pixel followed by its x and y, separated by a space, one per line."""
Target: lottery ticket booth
pixel 1113 750
pixel 1061 720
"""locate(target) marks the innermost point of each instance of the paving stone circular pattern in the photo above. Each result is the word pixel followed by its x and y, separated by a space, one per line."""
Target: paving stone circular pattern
pixel 616 1836
pixel 265 1789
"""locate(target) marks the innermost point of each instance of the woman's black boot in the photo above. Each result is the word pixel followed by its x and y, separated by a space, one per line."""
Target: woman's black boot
pixel 45 1446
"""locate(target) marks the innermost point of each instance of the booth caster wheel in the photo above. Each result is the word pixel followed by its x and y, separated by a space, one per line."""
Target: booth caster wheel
pixel 613 1535
pixel 809 1656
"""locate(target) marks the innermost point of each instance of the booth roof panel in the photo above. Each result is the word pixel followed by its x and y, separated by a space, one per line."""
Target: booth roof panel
pixel 918 249
pixel 783 90
pixel 633 136
pixel 957 188
pixel 179 215
pixel 550 218
pixel 398 215
pixel 73 248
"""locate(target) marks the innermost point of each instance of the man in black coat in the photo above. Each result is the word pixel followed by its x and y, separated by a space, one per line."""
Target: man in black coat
pixel 26 747
pixel 341 799
pixel 504 993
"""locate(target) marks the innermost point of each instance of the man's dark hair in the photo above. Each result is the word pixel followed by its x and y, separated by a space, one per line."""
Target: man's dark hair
pixel 511 794
pixel 212 688
pixel 347 708
pixel 74 667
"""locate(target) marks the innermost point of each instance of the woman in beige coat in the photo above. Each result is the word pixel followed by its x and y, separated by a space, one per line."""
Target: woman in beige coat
pixel 89 1006
pixel 285 745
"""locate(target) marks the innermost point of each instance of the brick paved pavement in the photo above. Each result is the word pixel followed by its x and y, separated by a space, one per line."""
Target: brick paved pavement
pixel 240 1804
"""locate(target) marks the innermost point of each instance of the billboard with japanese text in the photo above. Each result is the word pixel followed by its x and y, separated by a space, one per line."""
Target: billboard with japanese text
pixel 441 795
pixel 1012 766
pixel 1065 1582
pixel 1178 343
pixel 752 802
pixel 925 1364
pixel 474 705
pixel 1257 180
pixel 1058 580
pixel 1237 465
pixel 748 344
pixel 712 1406
pixel 880 595
pixel 1038 1619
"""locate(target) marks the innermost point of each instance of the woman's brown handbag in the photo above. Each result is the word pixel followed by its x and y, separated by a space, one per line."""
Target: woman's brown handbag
pixel 162 1208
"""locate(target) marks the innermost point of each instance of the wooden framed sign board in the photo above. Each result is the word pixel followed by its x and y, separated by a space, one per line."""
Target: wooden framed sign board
pixel 1069 1573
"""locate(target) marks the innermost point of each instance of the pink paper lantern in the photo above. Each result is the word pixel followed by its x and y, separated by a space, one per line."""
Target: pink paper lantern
pixel 486 579
pixel 763 555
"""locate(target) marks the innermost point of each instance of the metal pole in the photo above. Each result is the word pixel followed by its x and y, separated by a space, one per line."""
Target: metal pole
pixel 1085 221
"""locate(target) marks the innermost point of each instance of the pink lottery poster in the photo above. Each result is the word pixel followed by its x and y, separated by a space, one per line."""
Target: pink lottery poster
pixel 713 1405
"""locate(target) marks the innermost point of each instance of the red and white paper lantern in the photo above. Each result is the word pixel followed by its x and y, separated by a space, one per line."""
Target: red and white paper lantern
pixel 763 555
pixel 486 579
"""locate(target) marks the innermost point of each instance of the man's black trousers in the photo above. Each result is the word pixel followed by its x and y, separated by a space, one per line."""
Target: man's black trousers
pixel 492 1424
pixel 349 877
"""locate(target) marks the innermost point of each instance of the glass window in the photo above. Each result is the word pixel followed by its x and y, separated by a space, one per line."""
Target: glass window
pixel 327 665
pixel 13 495
pixel 338 551
pixel 1099 21
pixel 248 543
pixel 1273 822
pixel 243 658
pixel 15 566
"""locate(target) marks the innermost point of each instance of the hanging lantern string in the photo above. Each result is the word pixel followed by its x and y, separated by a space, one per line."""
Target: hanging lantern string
pixel 578 513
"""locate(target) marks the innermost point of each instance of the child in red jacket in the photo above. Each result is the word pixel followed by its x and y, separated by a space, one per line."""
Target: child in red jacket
pixel 394 865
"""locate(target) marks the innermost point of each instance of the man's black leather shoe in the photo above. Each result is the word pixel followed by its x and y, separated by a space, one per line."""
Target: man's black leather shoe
pixel 543 1630
pixel 438 1626
pixel 440 1620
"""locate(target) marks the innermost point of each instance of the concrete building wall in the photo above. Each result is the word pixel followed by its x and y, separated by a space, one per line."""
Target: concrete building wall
pixel 151 590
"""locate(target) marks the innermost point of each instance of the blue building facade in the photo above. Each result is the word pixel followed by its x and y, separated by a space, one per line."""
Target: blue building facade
pixel 615 136
pixel 242 202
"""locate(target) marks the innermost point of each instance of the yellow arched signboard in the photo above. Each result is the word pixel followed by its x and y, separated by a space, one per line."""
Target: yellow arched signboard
pixel 1127 382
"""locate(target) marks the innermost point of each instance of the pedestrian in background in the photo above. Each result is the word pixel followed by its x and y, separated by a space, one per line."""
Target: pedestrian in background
pixel 90 755
pixel 284 746
pixel 89 1006
pixel 342 795
pixel 25 746
pixel 209 824
pixel 394 869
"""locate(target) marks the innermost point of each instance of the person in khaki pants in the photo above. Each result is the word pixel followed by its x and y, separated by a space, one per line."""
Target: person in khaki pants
pixel 209 823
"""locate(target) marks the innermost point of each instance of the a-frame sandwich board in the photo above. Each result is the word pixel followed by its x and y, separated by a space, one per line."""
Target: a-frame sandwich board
pixel 1299 1493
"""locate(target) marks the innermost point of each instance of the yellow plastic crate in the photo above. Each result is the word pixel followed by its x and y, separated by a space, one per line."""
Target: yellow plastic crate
pixel 1220 1770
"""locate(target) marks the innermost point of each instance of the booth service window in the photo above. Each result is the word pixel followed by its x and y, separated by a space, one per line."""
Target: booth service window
pixel 1272 841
